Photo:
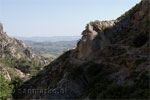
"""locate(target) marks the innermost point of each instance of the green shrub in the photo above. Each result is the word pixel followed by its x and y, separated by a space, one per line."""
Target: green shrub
pixel 23 64
pixel 16 82
pixel 94 22
pixel 4 88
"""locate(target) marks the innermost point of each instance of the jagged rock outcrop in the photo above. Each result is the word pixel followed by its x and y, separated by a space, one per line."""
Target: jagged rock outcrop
pixel 111 61
pixel 16 48
pixel 10 73
pixel 5 74
pixel 93 39
pixel 16 58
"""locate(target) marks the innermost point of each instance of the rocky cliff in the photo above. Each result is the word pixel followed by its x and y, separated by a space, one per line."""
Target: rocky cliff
pixel 16 56
pixel 111 61
pixel 15 48
pixel 18 63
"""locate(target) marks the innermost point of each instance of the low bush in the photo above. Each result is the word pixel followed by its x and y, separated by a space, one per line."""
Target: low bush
pixel 23 64
pixel 5 90
pixel 101 87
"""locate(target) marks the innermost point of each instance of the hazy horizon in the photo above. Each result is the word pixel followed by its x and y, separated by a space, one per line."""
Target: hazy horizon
pixel 48 18
pixel 47 36
pixel 49 39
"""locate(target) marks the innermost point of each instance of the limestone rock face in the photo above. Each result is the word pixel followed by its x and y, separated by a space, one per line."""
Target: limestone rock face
pixel 5 73
pixel 93 39
pixel 20 74
pixel 29 53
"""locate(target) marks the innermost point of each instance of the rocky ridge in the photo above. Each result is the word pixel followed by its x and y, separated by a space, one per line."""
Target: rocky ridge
pixel 15 48
pixel 11 52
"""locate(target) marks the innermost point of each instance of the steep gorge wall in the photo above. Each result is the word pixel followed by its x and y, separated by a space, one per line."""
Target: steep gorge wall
pixel 108 51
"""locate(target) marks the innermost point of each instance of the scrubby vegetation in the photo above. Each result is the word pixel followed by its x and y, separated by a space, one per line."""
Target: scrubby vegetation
pixel 130 12
pixel 8 87
pixel 101 87
pixel 10 63
pixel 23 64
pixel 4 88
pixel 115 91
pixel 94 22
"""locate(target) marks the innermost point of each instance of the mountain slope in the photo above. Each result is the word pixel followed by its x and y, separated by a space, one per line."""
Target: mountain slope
pixel 15 48
pixel 17 63
pixel 15 54
pixel 111 61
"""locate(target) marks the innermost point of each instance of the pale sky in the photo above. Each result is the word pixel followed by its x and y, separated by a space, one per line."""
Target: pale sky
pixel 28 18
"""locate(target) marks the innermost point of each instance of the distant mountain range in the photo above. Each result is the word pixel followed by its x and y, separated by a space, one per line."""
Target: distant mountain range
pixel 53 48
pixel 51 39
